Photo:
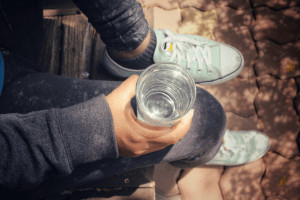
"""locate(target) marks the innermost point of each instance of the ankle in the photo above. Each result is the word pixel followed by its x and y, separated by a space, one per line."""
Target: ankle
pixel 139 58
pixel 131 54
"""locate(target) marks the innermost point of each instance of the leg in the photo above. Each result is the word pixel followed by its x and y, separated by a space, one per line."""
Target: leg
pixel 27 91
pixel 31 90
pixel 124 29
pixel 121 24
pixel 37 91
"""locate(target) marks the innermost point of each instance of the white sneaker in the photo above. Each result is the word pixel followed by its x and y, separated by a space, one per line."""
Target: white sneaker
pixel 209 62
pixel 241 147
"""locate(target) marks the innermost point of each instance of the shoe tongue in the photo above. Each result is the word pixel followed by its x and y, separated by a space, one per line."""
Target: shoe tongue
pixel 159 54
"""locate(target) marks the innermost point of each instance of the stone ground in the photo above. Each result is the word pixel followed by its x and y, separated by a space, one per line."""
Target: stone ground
pixel 264 97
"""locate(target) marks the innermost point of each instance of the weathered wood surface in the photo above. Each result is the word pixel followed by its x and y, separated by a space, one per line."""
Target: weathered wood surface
pixel 72 47
pixel 51 45
pixel 60 8
pixel 77 41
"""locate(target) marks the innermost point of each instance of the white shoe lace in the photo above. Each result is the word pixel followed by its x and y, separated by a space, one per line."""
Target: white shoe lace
pixel 227 149
pixel 181 46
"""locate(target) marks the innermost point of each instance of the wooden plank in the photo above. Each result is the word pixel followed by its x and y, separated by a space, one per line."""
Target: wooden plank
pixel 59 8
pixel 50 56
pixel 60 12
pixel 76 46
pixel 73 48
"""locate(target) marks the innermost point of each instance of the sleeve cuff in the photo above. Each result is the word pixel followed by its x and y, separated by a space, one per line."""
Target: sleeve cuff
pixel 88 131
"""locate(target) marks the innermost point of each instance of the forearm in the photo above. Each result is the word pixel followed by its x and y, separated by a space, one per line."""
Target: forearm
pixel 53 142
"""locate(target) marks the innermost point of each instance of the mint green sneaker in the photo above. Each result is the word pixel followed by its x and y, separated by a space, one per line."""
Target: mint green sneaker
pixel 241 147
pixel 209 62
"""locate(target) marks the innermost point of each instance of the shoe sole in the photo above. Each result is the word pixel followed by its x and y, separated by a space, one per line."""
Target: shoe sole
pixel 116 69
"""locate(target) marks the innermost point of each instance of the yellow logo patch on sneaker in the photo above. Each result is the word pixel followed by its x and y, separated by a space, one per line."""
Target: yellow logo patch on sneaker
pixel 171 47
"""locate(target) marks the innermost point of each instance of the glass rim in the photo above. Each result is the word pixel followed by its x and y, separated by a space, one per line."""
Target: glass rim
pixel 190 78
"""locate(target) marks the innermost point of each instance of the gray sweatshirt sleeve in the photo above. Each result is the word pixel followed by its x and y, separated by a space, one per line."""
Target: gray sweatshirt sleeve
pixel 53 142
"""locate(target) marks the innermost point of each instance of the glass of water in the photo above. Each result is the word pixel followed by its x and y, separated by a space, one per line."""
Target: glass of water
pixel 165 92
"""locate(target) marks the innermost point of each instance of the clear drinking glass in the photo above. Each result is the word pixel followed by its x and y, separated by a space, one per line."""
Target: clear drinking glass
pixel 165 92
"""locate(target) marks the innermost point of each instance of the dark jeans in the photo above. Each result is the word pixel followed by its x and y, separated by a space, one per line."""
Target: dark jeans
pixel 196 148
pixel 121 24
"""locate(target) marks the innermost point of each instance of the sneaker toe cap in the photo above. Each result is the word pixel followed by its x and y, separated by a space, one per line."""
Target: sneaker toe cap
pixel 262 145
pixel 231 60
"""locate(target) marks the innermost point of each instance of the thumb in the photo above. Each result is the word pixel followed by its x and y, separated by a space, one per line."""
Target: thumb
pixel 126 91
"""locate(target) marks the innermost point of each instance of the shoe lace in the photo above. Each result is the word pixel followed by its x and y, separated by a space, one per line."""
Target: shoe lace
pixel 179 47
pixel 228 149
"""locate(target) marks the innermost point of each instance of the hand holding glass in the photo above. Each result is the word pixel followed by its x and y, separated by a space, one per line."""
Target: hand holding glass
pixel 165 92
